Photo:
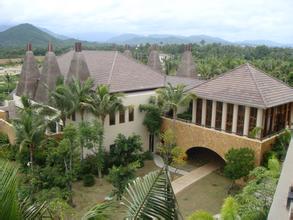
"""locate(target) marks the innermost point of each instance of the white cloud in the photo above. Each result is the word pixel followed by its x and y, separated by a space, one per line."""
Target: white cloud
pixel 230 19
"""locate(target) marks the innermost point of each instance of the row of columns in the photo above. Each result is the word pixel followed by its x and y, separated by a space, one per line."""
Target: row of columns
pixel 224 116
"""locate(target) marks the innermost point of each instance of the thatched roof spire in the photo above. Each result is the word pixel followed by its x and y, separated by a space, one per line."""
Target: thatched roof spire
pixel 29 75
pixel 127 52
pixel 78 67
pixel 153 59
pixel 187 66
pixel 49 75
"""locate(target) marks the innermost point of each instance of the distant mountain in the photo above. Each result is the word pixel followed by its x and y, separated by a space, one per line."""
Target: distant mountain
pixel 20 35
pixel 4 27
pixel 261 42
pixel 165 39
pixel 58 36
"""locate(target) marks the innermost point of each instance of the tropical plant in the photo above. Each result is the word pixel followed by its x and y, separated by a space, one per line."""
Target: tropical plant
pixel 229 210
pixel 10 205
pixel 126 149
pixel 100 211
pixel 120 176
pixel 239 162
pixel 81 92
pixel 200 215
pixel 174 97
pixel 151 197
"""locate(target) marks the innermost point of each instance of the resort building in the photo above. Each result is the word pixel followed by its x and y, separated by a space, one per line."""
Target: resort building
pixel 241 108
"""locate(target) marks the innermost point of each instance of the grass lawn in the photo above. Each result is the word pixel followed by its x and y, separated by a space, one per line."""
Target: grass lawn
pixel 206 194
pixel 86 197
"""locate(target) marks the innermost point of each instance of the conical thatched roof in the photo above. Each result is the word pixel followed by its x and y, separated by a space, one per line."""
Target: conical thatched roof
pixel 154 60
pixel 29 75
pixel 127 52
pixel 187 66
pixel 78 67
pixel 49 75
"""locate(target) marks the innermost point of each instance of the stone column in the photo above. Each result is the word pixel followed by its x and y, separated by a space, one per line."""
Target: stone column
pixel 214 112
pixel 224 117
pixel 204 112
pixel 194 110
pixel 259 121
pixel 235 117
pixel 246 121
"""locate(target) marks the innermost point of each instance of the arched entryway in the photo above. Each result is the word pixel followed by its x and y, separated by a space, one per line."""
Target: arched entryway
pixel 199 156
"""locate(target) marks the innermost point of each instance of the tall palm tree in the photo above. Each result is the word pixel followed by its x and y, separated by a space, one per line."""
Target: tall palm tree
pixel 81 92
pixel 102 102
pixel 8 79
pixel 173 97
pixel 30 128
pixel 10 205
pixel 62 99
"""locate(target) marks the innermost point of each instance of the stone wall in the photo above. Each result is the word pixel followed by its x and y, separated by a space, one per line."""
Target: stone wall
pixel 189 135
pixel 8 129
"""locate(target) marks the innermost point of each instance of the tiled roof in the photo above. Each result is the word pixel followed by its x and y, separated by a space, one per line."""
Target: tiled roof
pixel 122 73
pixel 246 85
pixel 189 82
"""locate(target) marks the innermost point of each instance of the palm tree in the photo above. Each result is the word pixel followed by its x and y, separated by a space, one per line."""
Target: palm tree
pixel 102 102
pixel 62 99
pixel 100 211
pixel 81 92
pixel 10 205
pixel 173 97
pixel 8 80
pixel 30 128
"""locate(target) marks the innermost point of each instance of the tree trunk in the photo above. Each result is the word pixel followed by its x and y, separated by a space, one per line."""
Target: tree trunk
pixel 31 155
pixel 81 152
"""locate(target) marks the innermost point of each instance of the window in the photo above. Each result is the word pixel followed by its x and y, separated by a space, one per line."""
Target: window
pixel 122 116
pixel 130 113
pixel 240 121
pixel 229 119
pixel 73 116
pixel 252 118
pixel 209 113
pixel 112 118
pixel 198 111
pixel 219 109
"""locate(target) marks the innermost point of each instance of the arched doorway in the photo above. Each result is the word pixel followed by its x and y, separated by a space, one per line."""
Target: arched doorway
pixel 199 156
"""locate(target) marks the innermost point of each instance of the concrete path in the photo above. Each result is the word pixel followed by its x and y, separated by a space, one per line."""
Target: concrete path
pixel 193 176
pixel 160 163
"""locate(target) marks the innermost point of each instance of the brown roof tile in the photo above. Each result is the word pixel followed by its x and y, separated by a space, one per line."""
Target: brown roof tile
pixel 189 82
pixel 246 85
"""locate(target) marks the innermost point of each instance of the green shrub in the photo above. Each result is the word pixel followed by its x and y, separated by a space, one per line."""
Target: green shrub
pixel 201 215
pixel 88 180
pixel 185 115
pixel 268 155
pixel 147 155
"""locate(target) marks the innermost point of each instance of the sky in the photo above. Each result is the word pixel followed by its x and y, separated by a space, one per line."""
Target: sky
pixel 232 20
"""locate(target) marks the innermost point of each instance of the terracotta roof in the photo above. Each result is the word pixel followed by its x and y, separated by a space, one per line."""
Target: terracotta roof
pixel 123 74
pixel 246 85
pixel 29 76
pixel 188 81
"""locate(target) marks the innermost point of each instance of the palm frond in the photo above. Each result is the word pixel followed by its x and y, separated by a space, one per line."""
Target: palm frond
pixel 100 211
pixel 32 211
pixel 151 197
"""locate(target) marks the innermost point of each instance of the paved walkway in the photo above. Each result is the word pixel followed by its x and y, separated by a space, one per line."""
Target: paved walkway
pixel 160 163
pixel 193 176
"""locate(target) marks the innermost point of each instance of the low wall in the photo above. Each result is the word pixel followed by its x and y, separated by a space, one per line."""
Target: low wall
pixel 190 135
pixel 8 129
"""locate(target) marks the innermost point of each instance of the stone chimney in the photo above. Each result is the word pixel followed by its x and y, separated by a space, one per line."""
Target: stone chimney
pixel 127 52
pixel 50 47
pixel 29 47
pixel 154 59
pixel 78 47
pixel 187 67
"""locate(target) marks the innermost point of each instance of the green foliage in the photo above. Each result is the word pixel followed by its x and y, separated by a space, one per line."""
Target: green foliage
pixel 201 215
pixel 229 210
pixel 281 144
pixel 88 180
pixel 268 155
pixel 120 177
pixel 185 115
pixel 101 211
pixel 151 197
pixel 126 149
pixel 256 197
pixel 239 162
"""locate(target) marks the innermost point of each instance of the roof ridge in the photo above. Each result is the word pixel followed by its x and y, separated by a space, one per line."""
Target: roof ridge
pixel 256 84
pixel 112 67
